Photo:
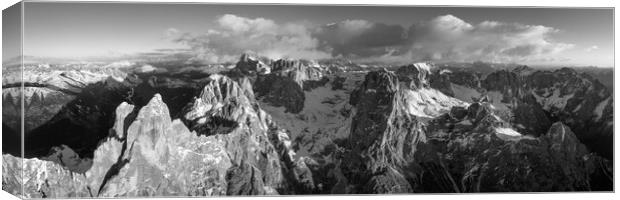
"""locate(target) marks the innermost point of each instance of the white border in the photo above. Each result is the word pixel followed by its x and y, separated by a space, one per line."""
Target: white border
pixel 548 3
pixel 521 3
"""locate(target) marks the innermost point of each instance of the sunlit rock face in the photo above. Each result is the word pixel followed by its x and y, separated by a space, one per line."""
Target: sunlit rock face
pixel 415 74
pixel 384 137
pixel 227 152
pixel 579 101
pixel 533 99
pixel 281 82
pixel 298 127
pixel 149 154
pixel 47 89
pixel 59 175
pixel 251 65
pixel 469 148
pixel 483 153
pixel 162 157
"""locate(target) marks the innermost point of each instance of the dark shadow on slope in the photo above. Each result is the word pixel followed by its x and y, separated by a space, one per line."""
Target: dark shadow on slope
pixel 177 90
pixel 11 141
pixel 81 123
pixel 213 126
pixel 87 119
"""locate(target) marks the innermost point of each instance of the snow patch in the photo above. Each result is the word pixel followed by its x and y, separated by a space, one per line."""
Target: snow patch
pixel 146 69
pixel 508 134
pixel 120 64
pixel 598 111
pixel 320 122
pixel 429 103
pixel 466 122
pixel 465 93
pixel 444 71
pixel 577 108
pixel 423 66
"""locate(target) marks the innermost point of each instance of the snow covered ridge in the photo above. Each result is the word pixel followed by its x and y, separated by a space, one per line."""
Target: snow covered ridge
pixel 352 123
pixel 167 158
pixel 523 96
pixel 69 78
pixel 421 99
pixel 417 75
pixel 563 90
pixel 62 75
pixel 429 103
pixel 474 137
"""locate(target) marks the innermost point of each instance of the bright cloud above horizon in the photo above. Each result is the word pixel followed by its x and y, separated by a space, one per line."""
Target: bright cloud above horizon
pixel 235 35
pixel 218 33
pixel 444 38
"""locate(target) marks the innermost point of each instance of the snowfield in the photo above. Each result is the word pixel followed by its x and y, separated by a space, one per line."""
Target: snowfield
pixel 465 93
pixel 430 103
pixel 598 111
pixel 508 134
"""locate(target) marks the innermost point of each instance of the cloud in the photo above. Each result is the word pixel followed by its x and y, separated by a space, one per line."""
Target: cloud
pixel 360 38
pixel 591 48
pixel 171 32
pixel 444 38
pixel 234 35
pixel 450 38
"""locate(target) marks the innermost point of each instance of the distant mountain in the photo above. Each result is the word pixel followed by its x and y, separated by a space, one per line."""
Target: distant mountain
pixel 231 149
pixel 603 75
pixel 533 99
pixel 286 126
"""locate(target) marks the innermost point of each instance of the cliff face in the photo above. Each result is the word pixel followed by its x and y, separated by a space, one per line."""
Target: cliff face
pixel 292 127
pixel 384 137
pixel 58 175
pixel 282 82
pixel 388 140
pixel 469 148
pixel 231 148
pixel 484 153
pixel 533 100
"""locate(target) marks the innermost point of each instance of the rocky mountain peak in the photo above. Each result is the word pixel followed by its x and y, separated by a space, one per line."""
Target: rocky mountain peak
pixel 567 71
pixel 290 64
pixel 122 112
pixel 155 107
pixel 384 136
pixel 523 70
pixel 534 99
pixel 416 75
pixel 285 81
pixel 152 120
pixel 562 139
pixel 220 107
pixel 251 64
pixel 416 129
pixel 230 148
pixel 382 84
pixel 505 81
pixel 301 71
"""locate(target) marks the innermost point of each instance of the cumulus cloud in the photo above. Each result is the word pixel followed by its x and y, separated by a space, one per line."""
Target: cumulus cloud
pixel 591 48
pixel 444 38
pixel 235 35
pixel 450 38
pixel 171 32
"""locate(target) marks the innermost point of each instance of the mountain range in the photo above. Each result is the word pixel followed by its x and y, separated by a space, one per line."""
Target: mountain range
pixel 286 126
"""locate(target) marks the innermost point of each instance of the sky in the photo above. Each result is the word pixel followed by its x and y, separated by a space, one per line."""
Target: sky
pixel 11 36
pixel 213 33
